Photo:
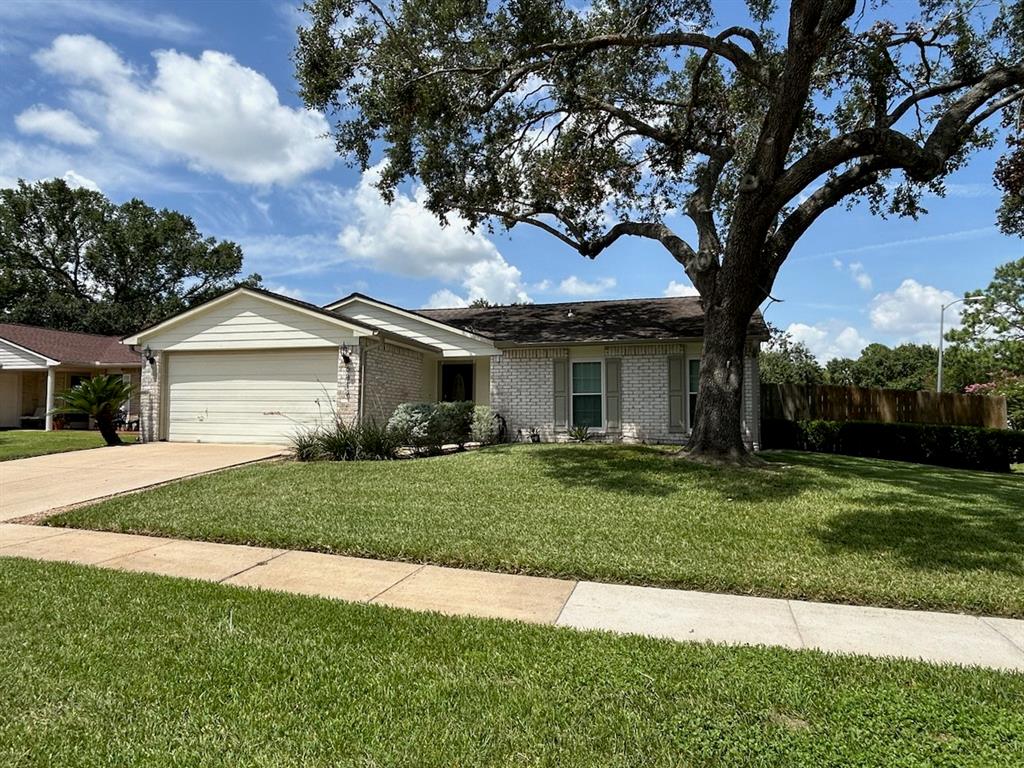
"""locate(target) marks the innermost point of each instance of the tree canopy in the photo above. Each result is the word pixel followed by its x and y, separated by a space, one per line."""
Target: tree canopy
pixel 724 142
pixel 73 260
pixel 787 361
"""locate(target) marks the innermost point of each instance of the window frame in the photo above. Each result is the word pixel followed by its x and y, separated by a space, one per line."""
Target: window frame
pixel 690 394
pixel 572 393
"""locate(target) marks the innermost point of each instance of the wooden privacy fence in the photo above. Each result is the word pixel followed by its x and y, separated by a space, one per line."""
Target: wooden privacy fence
pixel 796 402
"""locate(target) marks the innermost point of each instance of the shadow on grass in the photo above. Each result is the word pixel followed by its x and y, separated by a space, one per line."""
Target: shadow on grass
pixel 926 517
pixel 636 470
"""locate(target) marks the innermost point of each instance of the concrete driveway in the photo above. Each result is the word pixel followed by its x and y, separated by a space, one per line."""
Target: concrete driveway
pixel 42 483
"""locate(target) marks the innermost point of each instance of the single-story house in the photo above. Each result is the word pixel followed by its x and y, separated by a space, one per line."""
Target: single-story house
pixel 37 364
pixel 254 366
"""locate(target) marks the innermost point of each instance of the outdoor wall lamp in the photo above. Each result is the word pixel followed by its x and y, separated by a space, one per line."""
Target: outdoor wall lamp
pixel 148 354
pixel 346 353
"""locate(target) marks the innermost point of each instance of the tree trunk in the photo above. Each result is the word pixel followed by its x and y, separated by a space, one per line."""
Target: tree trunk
pixel 717 426
pixel 106 425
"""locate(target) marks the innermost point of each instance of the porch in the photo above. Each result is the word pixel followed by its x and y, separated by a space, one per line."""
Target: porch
pixel 29 396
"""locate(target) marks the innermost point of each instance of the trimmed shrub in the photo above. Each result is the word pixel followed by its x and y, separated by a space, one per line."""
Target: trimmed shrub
pixel 428 426
pixel 377 442
pixel 943 445
pixel 486 428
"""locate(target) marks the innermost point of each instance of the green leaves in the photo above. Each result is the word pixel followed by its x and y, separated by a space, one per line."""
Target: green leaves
pixel 98 397
pixel 71 259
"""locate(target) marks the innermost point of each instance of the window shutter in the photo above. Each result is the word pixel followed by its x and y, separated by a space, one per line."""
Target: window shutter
pixel 613 393
pixel 561 393
pixel 676 394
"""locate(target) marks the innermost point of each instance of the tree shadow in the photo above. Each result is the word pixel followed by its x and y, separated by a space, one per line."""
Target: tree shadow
pixel 638 470
pixel 929 517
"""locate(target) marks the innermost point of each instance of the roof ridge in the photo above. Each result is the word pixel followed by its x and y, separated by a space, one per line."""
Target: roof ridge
pixel 559 303
pixel 62 330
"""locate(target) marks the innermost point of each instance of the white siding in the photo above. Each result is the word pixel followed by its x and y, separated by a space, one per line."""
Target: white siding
pixel 450 342
pixel 10 399
pixel 249 397
pixel 14 359
pixel 249 322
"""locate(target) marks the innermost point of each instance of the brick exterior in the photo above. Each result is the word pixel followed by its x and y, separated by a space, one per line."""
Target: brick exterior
pixel 522 391
pixel 392 375
pixel 149 399
pixel 347 403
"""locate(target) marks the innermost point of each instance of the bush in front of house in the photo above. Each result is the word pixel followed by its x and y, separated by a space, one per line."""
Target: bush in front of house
pixel 359 441
pixel 427 427
pixel 486 427
pixel 943 445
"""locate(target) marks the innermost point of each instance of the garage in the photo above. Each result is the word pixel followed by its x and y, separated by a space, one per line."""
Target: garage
pixel 263 396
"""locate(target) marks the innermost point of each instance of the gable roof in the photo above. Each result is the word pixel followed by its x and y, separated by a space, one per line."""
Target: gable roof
pixel 587 322
pixel 303 306
pixel 70 346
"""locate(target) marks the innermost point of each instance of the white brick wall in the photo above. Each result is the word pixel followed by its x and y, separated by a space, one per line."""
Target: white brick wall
pixel 392 375
pixel 522 391
pixel 149 399
pixel 347 403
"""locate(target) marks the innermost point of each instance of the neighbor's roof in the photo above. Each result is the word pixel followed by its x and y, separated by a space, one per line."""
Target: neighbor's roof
pixel 69 346
pixel 587 322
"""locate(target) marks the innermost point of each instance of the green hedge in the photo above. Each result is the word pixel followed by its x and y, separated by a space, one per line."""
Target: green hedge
pixel 947 446
pixel 428 426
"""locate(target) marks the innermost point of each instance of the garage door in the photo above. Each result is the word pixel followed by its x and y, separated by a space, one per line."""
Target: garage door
pixel 249 397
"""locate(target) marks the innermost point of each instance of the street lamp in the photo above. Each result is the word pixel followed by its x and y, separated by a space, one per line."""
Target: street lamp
pixel 942 333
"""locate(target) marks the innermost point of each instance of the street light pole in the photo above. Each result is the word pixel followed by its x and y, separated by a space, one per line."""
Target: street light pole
pixel 942 333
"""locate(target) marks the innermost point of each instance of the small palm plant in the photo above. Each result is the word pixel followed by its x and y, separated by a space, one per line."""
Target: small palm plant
pixel 100 397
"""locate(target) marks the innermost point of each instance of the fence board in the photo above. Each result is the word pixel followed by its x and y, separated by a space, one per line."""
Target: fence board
pixel 796 402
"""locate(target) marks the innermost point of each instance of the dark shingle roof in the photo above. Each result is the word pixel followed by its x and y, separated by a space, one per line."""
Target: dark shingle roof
pixel 69 346
pixel 586 322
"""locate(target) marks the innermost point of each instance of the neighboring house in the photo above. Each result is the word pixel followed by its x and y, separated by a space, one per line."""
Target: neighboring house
pixel 37 364
pixel 253 366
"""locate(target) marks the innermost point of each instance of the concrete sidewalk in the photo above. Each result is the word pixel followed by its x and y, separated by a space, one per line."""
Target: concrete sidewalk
pixel 666 613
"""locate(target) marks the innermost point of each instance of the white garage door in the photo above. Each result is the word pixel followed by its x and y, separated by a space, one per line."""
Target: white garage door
pixel 249 397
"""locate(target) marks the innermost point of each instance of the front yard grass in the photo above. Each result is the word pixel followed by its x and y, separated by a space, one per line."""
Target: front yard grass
pixel 812 526
pixel 107 668
pixel 23 443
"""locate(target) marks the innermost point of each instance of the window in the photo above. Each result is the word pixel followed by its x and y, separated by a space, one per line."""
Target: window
pixel 587 394
pixel 692 385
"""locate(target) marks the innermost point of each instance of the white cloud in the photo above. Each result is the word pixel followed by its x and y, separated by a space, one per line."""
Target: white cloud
pixel 574 286
pixel 675 288
pixel 286 290
pixel 862 278
pixel 212 112
pixel 828 342
pixel 123 17
pixel 445 299
pixel 962 234
pixel 407 239
pixel 912 311
pixel 78 180
pixel 58 125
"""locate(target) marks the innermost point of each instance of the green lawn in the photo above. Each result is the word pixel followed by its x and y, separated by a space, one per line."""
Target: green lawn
pixel 22 443
pixel 107 668
pixel 809 526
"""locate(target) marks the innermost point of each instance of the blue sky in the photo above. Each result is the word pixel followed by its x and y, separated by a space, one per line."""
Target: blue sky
pixel 193 106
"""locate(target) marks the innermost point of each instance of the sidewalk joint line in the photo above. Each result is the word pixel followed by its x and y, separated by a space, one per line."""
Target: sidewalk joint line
pixel 796 624
pixel 984 620
pixel 392 586
pixel 567 599
pixel 254 565
pixel 101 563
pixel 56 532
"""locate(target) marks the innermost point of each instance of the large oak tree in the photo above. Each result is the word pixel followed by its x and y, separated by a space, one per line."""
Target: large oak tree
pixel 73 260
pixel 619 118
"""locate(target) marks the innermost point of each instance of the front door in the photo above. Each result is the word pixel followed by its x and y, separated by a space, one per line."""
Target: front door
pixel 456 382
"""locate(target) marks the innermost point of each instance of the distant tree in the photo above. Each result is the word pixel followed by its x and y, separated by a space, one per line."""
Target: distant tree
pixel 481 303
pixel 994 325
pixel 908 366
pixel 840 371
pixel 787 361
pixel 73 260
pixel 599 120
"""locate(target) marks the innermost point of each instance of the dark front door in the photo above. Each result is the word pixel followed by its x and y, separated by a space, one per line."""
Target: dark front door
pixel 456 382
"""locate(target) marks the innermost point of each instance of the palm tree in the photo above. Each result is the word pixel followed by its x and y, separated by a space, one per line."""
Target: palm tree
pixel 100 397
